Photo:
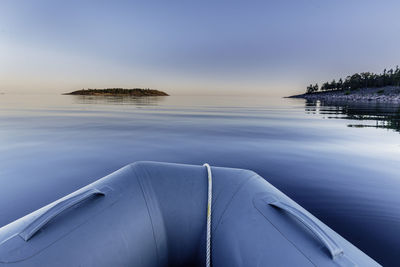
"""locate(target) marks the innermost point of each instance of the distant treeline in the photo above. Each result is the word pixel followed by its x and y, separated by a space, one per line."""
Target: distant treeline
pixel 360 80
pixel 115 90
pixel 119 91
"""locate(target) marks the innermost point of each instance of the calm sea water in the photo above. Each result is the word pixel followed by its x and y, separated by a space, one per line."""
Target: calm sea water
pixel 340 161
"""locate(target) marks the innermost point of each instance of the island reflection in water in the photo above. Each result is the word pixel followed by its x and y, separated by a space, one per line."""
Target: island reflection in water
pixel 365 114
pixel 51 145
pixel 117 100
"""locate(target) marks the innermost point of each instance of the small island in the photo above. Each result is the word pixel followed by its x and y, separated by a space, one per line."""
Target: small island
pixel 365 86
pixel 118 92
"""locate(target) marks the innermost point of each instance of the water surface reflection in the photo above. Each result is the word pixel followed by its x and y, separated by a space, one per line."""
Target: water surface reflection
pixel 365 114
pixel 117 100
pixel 348 177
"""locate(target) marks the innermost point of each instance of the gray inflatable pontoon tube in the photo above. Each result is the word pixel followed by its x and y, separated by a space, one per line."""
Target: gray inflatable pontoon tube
pixel 154 214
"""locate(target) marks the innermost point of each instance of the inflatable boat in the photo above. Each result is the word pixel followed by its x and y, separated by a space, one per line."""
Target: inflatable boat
pixel 157 214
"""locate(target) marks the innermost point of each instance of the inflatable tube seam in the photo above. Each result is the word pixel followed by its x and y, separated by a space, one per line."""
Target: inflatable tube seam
pixel 154 213
pixel 241 185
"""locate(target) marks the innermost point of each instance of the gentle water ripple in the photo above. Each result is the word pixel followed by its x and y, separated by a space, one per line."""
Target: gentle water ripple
pixel 339 160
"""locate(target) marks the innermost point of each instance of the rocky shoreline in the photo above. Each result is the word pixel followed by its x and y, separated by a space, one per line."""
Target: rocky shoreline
pixel 390 94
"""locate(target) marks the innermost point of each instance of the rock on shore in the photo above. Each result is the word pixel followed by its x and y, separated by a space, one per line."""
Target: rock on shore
pixel 383 94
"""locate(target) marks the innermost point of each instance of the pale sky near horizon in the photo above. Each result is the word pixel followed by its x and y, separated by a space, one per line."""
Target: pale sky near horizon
pixel 193 47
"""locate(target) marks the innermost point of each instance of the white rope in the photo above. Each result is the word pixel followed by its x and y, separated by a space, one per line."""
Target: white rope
pixel 208 244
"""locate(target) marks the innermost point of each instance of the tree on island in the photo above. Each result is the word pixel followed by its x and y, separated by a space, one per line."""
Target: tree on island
pixel 361 80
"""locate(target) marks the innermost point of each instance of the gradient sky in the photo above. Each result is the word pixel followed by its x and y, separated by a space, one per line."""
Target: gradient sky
pixel 193 47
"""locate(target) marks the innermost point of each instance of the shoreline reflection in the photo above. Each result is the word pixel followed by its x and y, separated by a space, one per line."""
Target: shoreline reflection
pixel 367 114
pixel 117 100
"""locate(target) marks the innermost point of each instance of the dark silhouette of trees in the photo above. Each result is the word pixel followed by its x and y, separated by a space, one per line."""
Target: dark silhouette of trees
pixel 361 80
pixel 312 88
pixel 119 91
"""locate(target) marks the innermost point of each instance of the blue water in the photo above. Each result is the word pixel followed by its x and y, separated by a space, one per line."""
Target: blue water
pixel 340 161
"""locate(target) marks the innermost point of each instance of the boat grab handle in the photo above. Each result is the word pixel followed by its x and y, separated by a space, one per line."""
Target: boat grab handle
pixel 57 209
pixel 329 243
